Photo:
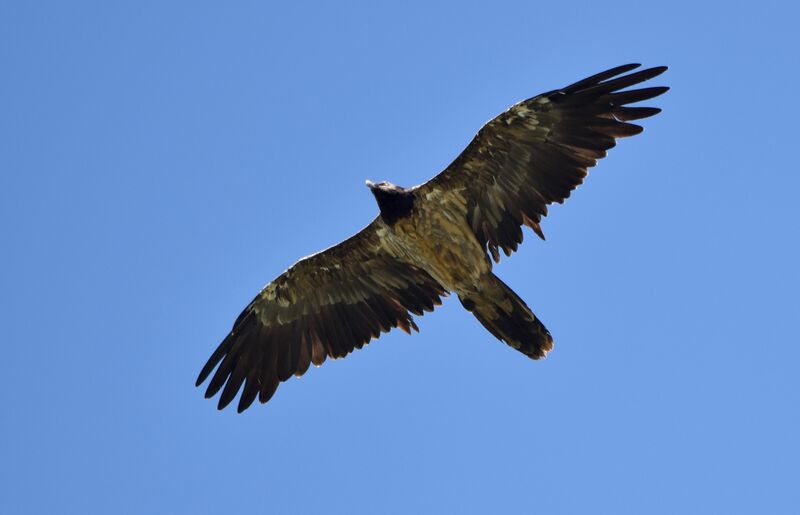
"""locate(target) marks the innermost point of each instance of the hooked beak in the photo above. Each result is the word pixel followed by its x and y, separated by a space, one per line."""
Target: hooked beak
pixel 370 184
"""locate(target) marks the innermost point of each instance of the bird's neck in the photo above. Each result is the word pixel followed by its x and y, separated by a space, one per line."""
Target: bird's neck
pixel 395 205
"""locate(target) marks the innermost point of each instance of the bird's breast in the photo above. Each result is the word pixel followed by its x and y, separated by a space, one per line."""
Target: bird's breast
pixel 442 243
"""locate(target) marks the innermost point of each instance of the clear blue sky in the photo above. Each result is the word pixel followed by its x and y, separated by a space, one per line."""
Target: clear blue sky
pixel 160 163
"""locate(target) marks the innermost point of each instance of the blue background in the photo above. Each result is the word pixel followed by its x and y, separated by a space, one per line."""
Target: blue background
pixel 159 163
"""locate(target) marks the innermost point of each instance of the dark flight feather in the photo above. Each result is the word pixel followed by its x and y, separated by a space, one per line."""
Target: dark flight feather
pixel 563 133
pixel 325 305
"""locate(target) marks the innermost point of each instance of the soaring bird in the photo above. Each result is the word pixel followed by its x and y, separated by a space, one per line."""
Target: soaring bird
pixel 434 239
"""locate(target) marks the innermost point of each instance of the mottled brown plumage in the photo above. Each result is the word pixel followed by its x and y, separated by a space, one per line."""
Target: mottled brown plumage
pixel 433 239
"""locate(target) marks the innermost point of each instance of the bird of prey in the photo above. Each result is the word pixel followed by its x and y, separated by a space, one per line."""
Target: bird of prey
pixel 434 239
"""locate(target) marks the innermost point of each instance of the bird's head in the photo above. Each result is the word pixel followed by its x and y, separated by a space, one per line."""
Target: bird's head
pixel 394 201
pixel 384 187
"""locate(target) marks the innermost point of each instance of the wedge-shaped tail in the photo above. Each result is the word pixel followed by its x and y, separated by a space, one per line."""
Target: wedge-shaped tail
pixel 506 316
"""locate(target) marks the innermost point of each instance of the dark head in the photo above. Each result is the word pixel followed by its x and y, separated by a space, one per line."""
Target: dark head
pixel 394 202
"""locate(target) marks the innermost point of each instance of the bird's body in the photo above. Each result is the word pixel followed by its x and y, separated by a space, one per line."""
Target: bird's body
pixel 434 239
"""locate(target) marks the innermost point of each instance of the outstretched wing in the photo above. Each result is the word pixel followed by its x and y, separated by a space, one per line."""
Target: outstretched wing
pixel 324 305
pixel 539 150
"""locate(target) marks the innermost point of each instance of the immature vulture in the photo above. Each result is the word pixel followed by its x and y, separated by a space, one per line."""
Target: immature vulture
pixel 433 239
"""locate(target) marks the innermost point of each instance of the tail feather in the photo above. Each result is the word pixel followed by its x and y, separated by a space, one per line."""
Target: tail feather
pixel 508 318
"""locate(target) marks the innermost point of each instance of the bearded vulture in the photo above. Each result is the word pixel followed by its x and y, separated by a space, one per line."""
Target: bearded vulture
pixel 434 239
